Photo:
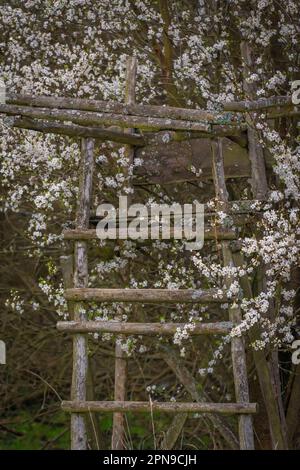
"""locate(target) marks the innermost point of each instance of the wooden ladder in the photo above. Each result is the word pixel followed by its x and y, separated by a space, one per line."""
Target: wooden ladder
pixel 81 326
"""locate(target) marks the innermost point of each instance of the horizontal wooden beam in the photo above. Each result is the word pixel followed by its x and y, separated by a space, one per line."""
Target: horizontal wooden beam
pixel 147 295
pixel 166 407
pixel 110 107
pixel 236 133
pixel 91 234
pixel 134 114
pixel 87 118
pixel 144 329
pixel 258 105
pixel 73 130
pixel 235 208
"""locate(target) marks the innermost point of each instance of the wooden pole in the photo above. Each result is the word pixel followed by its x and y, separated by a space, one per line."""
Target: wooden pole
pixel 167 407
pixel 73 130
pixel 268 407
pixel 88 118
pixel 237 344
pixel 67 267
pixel 145 296
pixel 112 107
pixel 267 370
pixel 257 104
pixel 256 154
pixel 234 132
pixel 148 329
pixel 91 234
pixel 80 354
pixel 118 434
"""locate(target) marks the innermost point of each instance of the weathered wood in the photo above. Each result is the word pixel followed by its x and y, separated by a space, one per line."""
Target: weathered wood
pixel 148 329
pixel 235 133
pixel 259 190
pixel 263 371
pixel 85 184
pixel 281 102
pixel 258 169
pixel 67 267
pixel 164 52
pixel 218 168
pixel 273 107
pixel 166 407
pixel 256 154
pixel 111 107
pixel 73 130
pixel 237 344
pixel 237 207
pixel 134 139
pixel 172 161
pixel 91 234
pixel 268 372
pixel 87 118
pixel 80 355
pixel 118 433
pixel 261 104
pixel 147 295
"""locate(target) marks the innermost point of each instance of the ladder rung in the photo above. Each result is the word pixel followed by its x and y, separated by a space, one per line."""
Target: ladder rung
pixel 147 295
pixel 149 329
pixel 237 207
pixel 81 234
pixel 167 407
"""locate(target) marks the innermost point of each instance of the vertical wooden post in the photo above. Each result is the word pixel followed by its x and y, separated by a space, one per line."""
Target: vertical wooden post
pixel 67 268
pixel 256 154
pixel 268 371
pixel 80 355
pixel 238 354
pixel 118 434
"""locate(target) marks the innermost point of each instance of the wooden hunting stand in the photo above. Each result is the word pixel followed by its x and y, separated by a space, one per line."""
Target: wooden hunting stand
pixel 224 145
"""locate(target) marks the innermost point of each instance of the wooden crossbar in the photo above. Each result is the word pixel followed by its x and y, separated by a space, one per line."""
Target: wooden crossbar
pixel 138 140
pixel 80 104
pixel 147 295
pixel 257 105
pixel 149 329
pixel 88 118
pixel 78 234
pixel 167 407
pixel 235 209
pixel 73 130
pixel 154 111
